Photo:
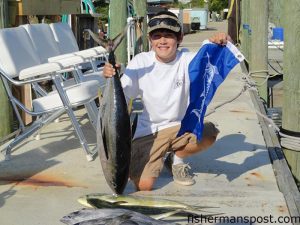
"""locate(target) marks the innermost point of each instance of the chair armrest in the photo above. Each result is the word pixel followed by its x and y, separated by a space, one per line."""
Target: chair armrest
pixel 71 61
pixel 39 70
pixel 84 54
pixel 92 52
pixel 59 57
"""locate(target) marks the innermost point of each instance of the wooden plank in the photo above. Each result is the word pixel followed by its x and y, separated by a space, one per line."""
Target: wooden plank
pixel 276 12
pixel 284 177
pixel 234 21
pixel 23 94
pixel 41 7
pixel 5 113
pixel 258 58
pixel 70 7
pixel 140 7
pixel 45 7
pixel 291 78
pixel 26 98
pixel 3 14
pixel 5 109
pixel 186 21
pixel 118 17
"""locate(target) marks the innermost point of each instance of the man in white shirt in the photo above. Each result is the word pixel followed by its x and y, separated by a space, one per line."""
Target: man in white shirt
pixel 160 77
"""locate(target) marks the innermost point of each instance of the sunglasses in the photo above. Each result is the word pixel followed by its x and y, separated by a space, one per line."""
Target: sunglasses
pixel 166 21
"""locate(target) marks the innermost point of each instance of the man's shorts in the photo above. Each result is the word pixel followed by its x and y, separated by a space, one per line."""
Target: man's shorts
pixel 148 152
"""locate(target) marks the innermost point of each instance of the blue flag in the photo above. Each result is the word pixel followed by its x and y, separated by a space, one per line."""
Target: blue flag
pixel 207 71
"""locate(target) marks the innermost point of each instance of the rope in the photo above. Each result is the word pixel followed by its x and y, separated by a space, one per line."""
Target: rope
pixel 226 102
pixel 287 141
pixel 252 74
pixel 247 85
pixel 290 142
pixel 278 73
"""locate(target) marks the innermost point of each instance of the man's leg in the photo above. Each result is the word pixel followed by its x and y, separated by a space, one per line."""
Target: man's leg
pixel 210 133
pixel 147 158
pixel 145 184
pixel 187 145
pixel 193 148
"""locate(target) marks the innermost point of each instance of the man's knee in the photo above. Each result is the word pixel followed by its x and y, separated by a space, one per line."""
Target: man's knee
pixel 145 188
pixel 209 141
pixel 210 133
pixel 144 184
pixel 210 130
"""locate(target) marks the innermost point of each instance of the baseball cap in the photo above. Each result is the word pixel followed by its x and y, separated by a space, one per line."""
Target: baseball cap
pixel 164 20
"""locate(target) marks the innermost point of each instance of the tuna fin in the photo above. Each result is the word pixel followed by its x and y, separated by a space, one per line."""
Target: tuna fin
pixel 104 144
pixel 101 144
pixel 134 124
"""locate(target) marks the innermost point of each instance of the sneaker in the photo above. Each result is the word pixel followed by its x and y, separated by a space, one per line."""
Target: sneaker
pixel 181 174
pixel 169 162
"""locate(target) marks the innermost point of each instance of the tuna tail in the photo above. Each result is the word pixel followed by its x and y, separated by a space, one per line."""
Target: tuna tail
pixel 118 39
pixel 97 39
pixel 104 43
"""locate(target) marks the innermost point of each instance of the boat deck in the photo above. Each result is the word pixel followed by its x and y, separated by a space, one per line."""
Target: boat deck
pixel 43 180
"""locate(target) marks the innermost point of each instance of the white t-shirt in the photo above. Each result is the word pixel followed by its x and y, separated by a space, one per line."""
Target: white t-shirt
pixel 163 87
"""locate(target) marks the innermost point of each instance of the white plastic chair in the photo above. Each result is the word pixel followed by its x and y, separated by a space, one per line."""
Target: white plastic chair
pixel 67 45
pixel 46 46
pixel 20 64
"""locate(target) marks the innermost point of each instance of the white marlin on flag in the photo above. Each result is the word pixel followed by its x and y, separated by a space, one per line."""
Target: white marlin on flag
pixel 210 71
pixel 207 71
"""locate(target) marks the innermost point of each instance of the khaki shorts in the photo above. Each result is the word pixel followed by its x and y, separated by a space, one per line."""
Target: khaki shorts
pixel 148 152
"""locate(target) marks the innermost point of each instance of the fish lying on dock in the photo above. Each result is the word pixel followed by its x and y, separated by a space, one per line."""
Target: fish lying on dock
pixel 147 205
pixel 114 129
pixel 109 216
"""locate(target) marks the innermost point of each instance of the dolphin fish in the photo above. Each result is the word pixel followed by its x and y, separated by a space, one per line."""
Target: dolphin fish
pixel 153 206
